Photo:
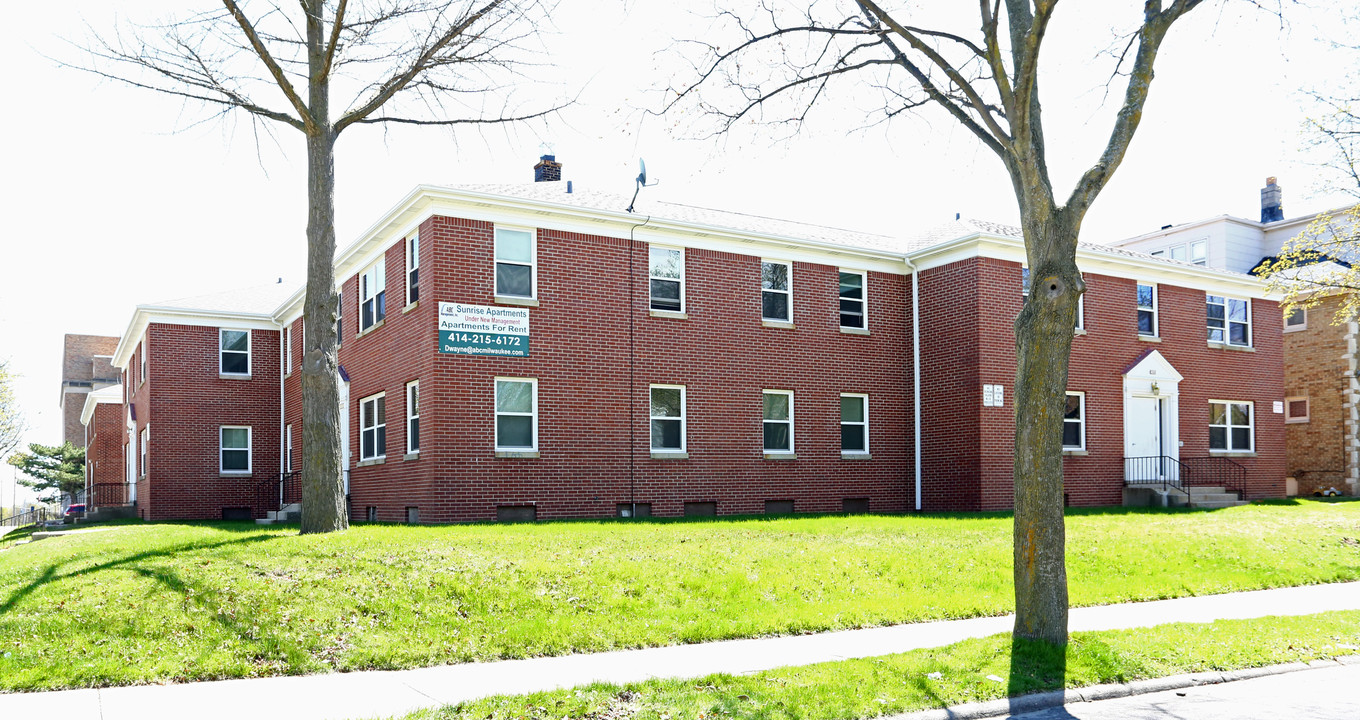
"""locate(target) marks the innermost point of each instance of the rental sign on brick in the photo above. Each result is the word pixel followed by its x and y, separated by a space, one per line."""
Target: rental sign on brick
pixel 481 330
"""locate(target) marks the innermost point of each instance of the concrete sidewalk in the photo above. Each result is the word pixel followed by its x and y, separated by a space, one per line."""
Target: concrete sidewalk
pixel 389 693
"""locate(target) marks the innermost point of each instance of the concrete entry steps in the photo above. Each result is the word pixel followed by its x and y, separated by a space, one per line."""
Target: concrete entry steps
pixel 1204 497
pixel 289 513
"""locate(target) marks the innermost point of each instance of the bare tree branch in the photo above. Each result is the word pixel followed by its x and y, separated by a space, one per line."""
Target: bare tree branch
pixel 309 123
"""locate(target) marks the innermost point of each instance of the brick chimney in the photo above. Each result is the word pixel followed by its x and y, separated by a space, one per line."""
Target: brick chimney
pixel 549 170
pixel 1272 202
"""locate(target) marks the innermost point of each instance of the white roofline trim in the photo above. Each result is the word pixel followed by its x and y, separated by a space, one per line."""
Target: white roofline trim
pixel 110 394
pixel 144 315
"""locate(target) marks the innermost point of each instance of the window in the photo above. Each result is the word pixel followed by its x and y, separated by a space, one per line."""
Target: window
pixel 516 414
pixel 288 449
pixel 373 427
pixel 668 418
pixel 1074 422
pixel 146 440
pixel 854 423
pixel 340 316
pixel 143 361
pixel 235 352
pixel 413 416
pixel 1147 310
pixel 1178 253
pixel 778 421
pixel 288 349
pixel 1296 319
pixel 1296 409
pixel 1230 426
pixel 852 299
pixel 515 263
pixel 776 279
pixel 666 271
pixel 373 295
pixel 413 268
pixel 1199 252
pixel 1229 320
pixel 235 449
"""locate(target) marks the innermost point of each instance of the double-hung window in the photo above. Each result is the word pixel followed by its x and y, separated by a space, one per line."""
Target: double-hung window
pixel 287 349
pixel 666 273
pixel 1229 320
pixel 515 263
pixel 340 316
pixel 373 427
pixel 413 417
pixel 234 351
pixel 1074 422
pixel 854 423
pixel 373 295
pixel 517 414
pixel 288 448
pixel 852 298
pixel 1230 426
pixel 668 418
pixel 1147 310
pixel 235 449
pixel 778 421
pixel 776 291
pixel 143 361
pixel 146 440
pixel 413 268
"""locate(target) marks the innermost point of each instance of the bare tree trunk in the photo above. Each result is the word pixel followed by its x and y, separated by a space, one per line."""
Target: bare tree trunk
pixel 1043 339
pixel 323 496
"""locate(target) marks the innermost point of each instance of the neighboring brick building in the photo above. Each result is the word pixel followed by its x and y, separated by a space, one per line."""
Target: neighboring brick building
pixel 104 436
pixel 85 366
pixel 527 352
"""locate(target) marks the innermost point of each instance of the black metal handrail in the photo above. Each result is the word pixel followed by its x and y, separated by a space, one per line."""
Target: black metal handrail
pixel 1154 470
pixel 290 488
pixel 1218 472
pixel 109 495
pixel 34 516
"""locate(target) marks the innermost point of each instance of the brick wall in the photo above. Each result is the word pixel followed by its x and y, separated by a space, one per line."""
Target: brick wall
pixel 593 390
pixel 1317 367
pixel 104 448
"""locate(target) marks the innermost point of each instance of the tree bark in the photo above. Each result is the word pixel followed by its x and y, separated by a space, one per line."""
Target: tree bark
pixel 323 493
pixel 1043 339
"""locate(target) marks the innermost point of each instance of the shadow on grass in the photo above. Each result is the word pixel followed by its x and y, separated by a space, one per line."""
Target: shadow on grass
pixel 1036 667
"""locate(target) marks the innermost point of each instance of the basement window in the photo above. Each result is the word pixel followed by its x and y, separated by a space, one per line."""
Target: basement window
pixel 234 351
pixel 1230 426
pixel 666 276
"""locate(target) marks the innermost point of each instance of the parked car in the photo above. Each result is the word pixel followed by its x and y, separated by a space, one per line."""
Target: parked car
pixel 73 511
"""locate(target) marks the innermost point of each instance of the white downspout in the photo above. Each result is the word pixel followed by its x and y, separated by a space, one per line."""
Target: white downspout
pixel 283 418
pixel 916 374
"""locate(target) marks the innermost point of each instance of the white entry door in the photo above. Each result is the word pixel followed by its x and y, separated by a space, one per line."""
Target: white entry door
pixel 132 461
pixel 1143 428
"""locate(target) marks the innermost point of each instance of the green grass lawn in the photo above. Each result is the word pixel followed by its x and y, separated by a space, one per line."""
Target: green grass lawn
pixel 970 671
pixel 146 603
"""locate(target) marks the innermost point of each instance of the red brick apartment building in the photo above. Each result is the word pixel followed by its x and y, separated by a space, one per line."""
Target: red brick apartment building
pixel 520 352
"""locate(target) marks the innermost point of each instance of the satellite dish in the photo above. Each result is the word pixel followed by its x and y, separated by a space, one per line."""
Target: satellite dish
pixel 641 182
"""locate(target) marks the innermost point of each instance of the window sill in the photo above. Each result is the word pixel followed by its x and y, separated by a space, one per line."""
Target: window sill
pixel 1296 328
pixel 1149 338
pixel 411 456
pixel 1234 348
pixel 1075 453
pixel 856 456
pixel 674 455
pixel 1231 453
pixel 371 328
pixel 517 454
pixel 1079 331
pixel 410 307
pixel 232 376
pixel 782 324
pixel 238 474
pixel 509 300
pixel 1295 421
pixel 672 314
pixel 781 456
pixel 853 331
pixel 372 461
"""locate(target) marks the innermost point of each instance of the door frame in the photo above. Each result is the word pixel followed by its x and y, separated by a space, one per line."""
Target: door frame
pixel 1153 377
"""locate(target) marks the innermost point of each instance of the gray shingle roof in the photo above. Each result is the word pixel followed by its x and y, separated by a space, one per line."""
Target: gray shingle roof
pixel 257 300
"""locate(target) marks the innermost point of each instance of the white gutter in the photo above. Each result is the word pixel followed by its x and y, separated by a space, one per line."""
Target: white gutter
pixel 916 374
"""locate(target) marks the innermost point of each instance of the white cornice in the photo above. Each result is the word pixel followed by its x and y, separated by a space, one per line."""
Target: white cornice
pixel 144 315
pixel 110 394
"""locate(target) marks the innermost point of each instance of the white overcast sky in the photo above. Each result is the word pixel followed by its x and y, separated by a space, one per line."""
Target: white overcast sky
pixel 115 197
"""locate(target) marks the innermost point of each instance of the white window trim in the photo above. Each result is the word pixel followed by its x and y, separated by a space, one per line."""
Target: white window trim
pixel 1156 319
pixel 288 448
pixel 1227 322
pixel 381 262
pixel 1301 326
pixel 221 349
pixel 413 385
pixel 532 264
pixel 650 277
pixel 340 315
pixel 412 263
pixel 496 430
pixel 363 415
pixel 789 422
pixel 864 301
pixel 1251 425
pixel 1190 251
pixel 684 419
pixel 249 448
pixel 1081 446
pixel 788 264
pixel 143 363
pixel 864 406
pixel 146 441
pixel 288 349
pixel 1307 409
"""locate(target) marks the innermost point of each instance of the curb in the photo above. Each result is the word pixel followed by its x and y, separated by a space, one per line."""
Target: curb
pixel 1055 698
